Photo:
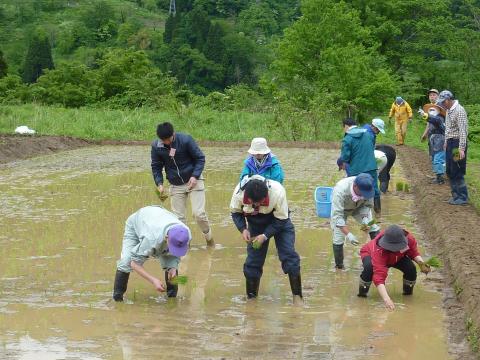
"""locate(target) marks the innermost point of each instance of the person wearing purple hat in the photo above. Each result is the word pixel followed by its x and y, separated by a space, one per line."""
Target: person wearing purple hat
pixel 154 232
pixel 352 196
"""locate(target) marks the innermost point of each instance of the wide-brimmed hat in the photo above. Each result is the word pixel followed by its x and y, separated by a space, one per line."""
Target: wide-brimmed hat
pixel 432 90
pixel 259 147
pixel 178 239
pixel 364 184
pixel 393 239
pixel 379 124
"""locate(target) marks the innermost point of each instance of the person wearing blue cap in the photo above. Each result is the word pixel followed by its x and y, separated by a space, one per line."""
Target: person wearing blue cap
pixel 351 196
pixel 456 133
pixel 154 232
pixel 402 112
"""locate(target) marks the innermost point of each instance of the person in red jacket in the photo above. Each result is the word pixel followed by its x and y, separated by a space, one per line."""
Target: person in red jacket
pixel 393 247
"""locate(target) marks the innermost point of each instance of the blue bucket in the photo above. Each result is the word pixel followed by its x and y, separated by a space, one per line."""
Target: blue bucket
pixel 323 201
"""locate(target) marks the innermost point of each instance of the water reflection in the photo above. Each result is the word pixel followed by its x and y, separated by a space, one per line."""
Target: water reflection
pixel 62 220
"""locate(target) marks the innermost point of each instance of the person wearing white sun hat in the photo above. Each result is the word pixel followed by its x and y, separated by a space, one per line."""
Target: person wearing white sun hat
pixel 262 162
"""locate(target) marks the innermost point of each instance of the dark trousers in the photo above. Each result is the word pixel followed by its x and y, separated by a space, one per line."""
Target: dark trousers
pixel 456 171
pixel 285 243
pixel 405 265
pixel 384 175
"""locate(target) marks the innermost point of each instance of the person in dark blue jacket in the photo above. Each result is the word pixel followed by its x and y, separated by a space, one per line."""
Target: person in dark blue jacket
pixel 262 162
pixel 183 162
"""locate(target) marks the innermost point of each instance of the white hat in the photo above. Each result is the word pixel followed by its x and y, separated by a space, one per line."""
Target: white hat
pixel 379 124
pixel 259 147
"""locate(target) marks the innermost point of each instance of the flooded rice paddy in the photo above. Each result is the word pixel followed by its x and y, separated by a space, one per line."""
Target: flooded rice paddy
pixel 62 219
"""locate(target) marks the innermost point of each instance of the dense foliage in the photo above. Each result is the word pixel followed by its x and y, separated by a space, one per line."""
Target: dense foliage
pixel 317 60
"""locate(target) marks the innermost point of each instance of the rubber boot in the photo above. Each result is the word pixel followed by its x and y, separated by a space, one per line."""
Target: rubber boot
pixel 408 287
pixel 338 255
pixel 377 204
pixel 296 284
pixel 120 285
pixel 363 288
pixel 252 285
pixel 172 289
pixel 384 186
pixel 438 180
pixel 373 234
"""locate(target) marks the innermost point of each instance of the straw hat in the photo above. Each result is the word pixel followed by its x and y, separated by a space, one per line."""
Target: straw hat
pixel 259 147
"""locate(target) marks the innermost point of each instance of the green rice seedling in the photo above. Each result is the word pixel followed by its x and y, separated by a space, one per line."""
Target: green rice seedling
pixel 406 187
pixel 256 245
pixel 455 154
pixel 179 280
pixel 162 196
pixel 365 227
pixel 399 186
pixel 434 261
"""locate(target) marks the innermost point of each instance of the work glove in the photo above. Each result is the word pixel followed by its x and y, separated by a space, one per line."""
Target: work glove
pixel 352 238
pixel 421 112
pixel 424 268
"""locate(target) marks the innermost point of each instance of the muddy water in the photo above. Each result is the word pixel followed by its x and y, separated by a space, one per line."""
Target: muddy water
pixel 62 219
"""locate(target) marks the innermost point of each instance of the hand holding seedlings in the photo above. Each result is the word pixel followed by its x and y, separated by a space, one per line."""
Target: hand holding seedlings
pixel 367 226
pixel 258 241
pixel 246 235
pixel 434 261
pixel 160 191
pixel 179 280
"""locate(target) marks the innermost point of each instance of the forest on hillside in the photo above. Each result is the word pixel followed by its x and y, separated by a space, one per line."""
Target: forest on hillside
pixel 350 56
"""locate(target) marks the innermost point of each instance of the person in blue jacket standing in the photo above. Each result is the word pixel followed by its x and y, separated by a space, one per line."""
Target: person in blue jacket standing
pixel 262 162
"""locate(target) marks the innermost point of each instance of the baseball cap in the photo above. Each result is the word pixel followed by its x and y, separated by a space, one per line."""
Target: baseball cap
pixel 432 90
pixel 379 124
pixel 178 239
pixel 364 183
pixel 444 95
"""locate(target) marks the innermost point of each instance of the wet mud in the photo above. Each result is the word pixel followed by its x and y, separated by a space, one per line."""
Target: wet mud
pixel 64 217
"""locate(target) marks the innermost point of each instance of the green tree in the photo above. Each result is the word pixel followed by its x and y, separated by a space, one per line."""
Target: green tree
pixel 214 49
pixel 37 59
pixel 258 21
pixel 69 85
pixel 170 26
pixel 199 27
pixel 100 17
pixel 239 60
pixel 3 66
pixel 191 67
pixel 327 51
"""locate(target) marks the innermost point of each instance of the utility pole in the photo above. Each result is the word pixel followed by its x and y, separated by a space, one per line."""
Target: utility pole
pixel 173 9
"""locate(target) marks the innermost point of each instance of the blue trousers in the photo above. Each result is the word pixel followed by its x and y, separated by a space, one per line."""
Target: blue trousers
pixel 438 162
pixel 285 243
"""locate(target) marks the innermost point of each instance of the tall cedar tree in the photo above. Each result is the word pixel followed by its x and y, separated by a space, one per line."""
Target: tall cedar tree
pixel 214 49
pixel 38 58
pixel 3 65
pixel 170 26
pixel 200 25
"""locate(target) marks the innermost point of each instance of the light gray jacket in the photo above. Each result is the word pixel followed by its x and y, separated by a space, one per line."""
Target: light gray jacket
pixel 343 205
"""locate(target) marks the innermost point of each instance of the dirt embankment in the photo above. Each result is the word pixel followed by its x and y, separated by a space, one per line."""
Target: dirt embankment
pixel 24 146
pixel 450 231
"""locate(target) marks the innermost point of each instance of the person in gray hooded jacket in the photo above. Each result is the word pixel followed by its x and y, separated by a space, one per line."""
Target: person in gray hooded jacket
pixel 154 232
